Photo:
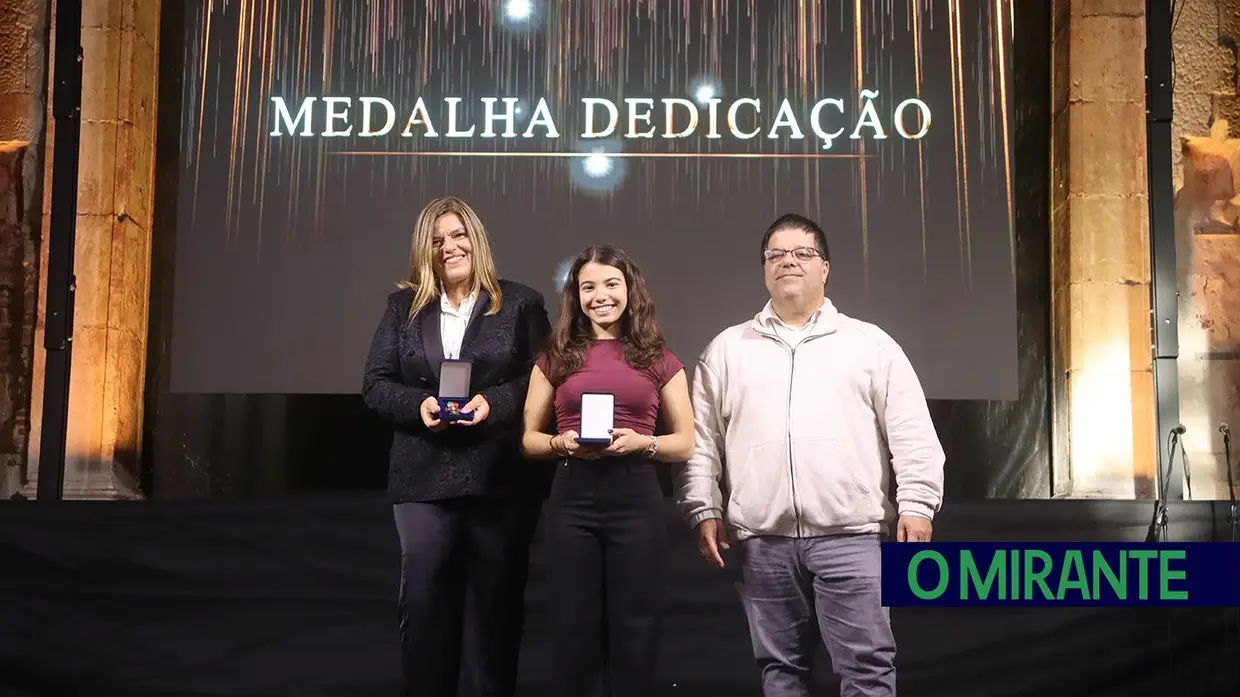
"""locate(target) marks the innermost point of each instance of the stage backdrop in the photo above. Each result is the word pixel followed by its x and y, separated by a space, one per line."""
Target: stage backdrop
pixel 314 131
pixel 246 444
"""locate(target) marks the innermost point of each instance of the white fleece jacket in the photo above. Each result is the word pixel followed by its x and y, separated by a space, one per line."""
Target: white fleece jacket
pixel 805 439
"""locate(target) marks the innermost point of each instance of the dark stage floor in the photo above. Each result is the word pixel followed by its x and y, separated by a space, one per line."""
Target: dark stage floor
pixel 297 598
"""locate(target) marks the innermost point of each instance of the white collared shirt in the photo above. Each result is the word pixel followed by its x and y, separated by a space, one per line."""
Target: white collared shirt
pixel 790 334
pixel 453 321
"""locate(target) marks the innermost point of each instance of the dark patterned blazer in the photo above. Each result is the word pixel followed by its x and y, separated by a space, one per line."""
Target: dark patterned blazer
pixel 402 370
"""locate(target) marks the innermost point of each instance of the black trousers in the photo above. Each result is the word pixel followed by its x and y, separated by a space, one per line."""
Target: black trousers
pixel 605 537
pixel 461 608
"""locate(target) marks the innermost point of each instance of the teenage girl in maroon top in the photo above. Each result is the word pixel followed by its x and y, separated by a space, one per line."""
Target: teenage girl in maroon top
pixel 605 519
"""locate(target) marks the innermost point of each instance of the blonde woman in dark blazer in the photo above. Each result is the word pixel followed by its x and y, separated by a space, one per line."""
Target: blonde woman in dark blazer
pixel 465 502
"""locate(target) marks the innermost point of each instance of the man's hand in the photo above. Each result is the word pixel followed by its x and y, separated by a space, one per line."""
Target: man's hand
pixel 914 528
pixel 479 410
pixel 712 537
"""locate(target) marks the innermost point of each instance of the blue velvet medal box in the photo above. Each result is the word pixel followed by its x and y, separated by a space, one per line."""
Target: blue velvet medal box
pixel 454 377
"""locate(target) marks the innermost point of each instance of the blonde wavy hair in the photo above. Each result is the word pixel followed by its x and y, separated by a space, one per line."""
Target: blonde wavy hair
pixel 422 278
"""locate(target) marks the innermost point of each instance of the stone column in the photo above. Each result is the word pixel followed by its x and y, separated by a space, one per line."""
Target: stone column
pixel 22 87
pixel 1100 273
pixel 120 42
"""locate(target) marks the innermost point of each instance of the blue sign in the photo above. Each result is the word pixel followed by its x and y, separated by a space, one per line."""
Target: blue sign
pixel 1195 574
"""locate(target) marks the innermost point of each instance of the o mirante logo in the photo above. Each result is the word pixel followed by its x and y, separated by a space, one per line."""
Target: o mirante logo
pixel 1098 574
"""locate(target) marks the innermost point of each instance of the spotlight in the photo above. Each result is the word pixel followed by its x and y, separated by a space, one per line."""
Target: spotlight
pixel 598 165
pixel 518 10
pixel 704 89
pixel 598 169
pixel 518 17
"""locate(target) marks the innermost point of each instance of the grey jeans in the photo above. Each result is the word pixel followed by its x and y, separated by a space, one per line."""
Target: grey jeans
pixel 789 585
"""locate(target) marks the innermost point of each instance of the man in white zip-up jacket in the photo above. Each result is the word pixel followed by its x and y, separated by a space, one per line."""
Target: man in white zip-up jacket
pixel 802 415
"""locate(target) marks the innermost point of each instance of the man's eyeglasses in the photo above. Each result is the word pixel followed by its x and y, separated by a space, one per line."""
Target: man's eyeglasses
pixel 800 254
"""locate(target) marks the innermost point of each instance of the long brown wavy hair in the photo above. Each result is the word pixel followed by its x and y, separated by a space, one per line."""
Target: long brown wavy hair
pixel 571 335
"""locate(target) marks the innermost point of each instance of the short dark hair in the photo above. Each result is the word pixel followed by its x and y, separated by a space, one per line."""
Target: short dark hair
pixel 793 221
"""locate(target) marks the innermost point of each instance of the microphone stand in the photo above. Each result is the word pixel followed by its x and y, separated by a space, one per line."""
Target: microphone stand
pixel 1232 518
pixel 1158 523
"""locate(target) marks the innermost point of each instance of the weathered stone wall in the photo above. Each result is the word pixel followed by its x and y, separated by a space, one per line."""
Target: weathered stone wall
pixel 23 83
pixel 1100 273
pixel 1207 178
pixel 120 42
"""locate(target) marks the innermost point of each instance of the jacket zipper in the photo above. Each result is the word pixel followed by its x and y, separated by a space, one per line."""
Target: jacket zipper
pixel 792 474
